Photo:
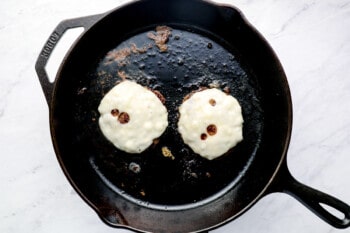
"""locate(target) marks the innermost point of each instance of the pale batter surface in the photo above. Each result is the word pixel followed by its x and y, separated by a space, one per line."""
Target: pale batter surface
pixel 132 116
pixel 211 122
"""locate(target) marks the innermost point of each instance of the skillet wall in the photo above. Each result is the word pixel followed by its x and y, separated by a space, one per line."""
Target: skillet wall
pixel 225 23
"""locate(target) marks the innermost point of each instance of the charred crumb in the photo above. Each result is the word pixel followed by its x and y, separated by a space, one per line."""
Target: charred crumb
pixel 191 171
pixel 161 37
pixel 120 55
pixel 156 141
pixel 167 153
pixel 133 48
pixel 104 75
pixel 122 75
pixel 142 50
pixel 82 91
pixel 210 45
pixel 134 167
pixel 227 90
pixel 123 63
pixel 117 55
pixel 214 84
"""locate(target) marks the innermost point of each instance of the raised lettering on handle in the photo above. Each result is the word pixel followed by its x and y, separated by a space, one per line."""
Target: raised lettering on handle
pixel 50 44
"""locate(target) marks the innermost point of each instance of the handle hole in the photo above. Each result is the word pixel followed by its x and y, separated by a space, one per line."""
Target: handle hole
pixel 333 211
pixel 60 51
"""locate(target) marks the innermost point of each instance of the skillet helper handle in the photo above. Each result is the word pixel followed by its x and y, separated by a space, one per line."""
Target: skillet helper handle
pixel 85 22
pixel 314 200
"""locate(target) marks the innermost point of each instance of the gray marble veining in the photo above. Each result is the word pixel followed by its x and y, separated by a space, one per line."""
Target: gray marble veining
pixel 311 38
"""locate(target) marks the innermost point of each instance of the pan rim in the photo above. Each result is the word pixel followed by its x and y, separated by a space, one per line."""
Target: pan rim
pixel 206 200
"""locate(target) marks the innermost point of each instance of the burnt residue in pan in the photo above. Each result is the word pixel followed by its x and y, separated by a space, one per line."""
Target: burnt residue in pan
pixel 169 172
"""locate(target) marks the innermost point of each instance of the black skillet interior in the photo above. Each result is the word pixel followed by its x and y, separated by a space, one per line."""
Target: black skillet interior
pixel 193 60
pixel 208 46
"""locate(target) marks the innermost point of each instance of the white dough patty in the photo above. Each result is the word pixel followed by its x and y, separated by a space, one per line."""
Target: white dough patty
pixel 211 123
pixel 131 117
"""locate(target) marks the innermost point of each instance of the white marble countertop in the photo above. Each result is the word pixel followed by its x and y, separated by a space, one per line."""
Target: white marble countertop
pixel 310 37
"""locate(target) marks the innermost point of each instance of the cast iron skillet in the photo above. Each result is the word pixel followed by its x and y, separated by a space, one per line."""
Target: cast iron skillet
pixel 210 45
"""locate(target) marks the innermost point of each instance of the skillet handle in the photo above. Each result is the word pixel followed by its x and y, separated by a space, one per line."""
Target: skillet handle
pixel 313 199
pixel 85 22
